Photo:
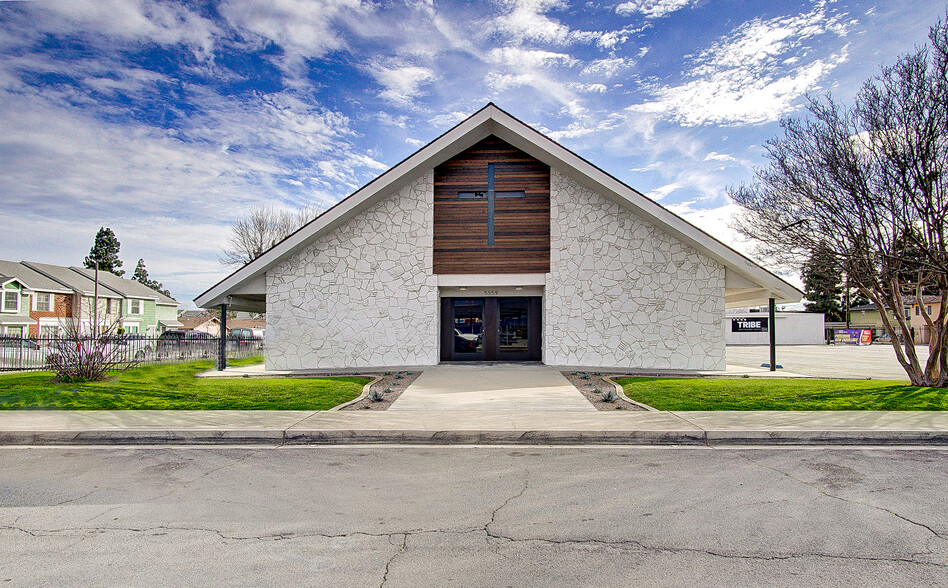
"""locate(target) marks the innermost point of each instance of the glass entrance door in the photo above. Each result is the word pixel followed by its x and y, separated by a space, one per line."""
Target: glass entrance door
pixel 468 328
pixel 489 329
pixel 513 328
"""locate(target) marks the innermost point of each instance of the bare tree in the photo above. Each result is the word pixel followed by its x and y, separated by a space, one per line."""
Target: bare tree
pixel 79 357
pixel 869 183
pixel 263 228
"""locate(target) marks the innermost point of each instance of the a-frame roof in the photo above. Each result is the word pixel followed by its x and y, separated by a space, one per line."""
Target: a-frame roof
pixel 753 283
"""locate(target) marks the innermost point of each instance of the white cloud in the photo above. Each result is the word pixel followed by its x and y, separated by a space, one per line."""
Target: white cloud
pixel 528 58
pixel 605 68
pixel 663 191
pixel 129 20
pixel 651 8
pixel 401 82
pixel 303 28
pixel 449 119
pixel 527 19
pixel 414 142
pixel 745 77
pixel 715 156
pixel 588 88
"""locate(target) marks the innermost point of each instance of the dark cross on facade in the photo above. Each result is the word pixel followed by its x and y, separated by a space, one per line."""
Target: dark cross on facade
pixel 491 194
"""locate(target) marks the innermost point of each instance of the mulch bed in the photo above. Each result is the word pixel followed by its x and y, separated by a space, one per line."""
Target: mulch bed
pixel 395 382
pixel 588 382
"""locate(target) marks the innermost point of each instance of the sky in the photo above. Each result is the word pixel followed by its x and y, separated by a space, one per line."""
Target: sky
pixel 166 121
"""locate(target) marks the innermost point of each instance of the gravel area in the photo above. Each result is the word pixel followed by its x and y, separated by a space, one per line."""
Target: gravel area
pixel 588 382
pixel 395 382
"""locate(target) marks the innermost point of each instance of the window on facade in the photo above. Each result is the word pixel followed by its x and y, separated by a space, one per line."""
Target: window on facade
pixel 928 309
pixel 48 332
pixel 11 301
pixel 44 302
pixel 108 306
pixel 916 311
pixel 134 306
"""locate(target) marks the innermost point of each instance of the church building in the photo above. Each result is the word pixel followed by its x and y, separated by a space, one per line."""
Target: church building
pixel 495 243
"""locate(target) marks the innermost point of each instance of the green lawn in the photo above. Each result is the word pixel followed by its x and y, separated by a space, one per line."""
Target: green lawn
pixel 174 387
pixel 781 394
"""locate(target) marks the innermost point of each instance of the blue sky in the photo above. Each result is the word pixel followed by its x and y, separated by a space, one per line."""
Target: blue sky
pixel 166 121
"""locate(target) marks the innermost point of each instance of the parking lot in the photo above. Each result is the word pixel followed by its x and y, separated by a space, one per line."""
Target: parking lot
pixel 827 361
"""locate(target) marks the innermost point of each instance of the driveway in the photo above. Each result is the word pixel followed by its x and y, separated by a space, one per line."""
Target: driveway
pixel 492 387
pixel 827 361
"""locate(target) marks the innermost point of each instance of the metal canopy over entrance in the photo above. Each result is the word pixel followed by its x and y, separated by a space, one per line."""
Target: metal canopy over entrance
pixel 491 329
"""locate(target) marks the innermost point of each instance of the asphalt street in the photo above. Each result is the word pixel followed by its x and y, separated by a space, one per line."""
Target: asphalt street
pixel 473 516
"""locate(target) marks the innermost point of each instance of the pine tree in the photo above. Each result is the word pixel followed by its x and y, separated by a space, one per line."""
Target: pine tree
pixel 105 250
pixel 821 281
pixel 141 276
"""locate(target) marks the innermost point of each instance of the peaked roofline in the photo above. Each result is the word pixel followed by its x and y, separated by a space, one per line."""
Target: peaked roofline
pixel 492 120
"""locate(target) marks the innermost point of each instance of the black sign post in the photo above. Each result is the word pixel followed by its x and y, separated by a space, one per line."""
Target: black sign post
pixel 773 335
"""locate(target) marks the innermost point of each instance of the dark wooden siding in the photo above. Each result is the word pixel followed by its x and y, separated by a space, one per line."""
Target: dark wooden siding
pixel 521 225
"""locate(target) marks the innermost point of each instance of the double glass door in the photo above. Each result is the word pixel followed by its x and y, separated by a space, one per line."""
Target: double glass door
pixel 505 329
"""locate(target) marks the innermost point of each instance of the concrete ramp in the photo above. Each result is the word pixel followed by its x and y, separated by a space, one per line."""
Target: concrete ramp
pixel 492 387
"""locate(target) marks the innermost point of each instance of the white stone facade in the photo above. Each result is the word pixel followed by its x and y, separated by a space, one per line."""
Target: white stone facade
pixel 361 295
pixel 622 293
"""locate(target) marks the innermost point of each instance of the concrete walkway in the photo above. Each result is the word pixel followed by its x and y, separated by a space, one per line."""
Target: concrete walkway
pixel 494 387
pixel 31 427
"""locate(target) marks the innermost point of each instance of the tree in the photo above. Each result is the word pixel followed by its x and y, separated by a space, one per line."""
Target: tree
pixel 141 276
pixel 263 228
pixel 869 182
pixel 821 281
pixel 105 250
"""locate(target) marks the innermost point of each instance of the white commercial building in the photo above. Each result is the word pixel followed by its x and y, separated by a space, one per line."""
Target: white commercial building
pixel 494 242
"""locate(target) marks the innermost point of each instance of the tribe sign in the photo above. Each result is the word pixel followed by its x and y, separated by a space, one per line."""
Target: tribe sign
pixel 749 325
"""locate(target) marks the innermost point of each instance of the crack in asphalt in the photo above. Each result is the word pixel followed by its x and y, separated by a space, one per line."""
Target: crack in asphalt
pixel 388 564
pixel 404 535
pixel 823 491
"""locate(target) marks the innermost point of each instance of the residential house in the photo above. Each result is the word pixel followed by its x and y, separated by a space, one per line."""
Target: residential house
pixel 52 297
pixel 44 304
pixel 206 323
pixel 932 306
pixel 143 310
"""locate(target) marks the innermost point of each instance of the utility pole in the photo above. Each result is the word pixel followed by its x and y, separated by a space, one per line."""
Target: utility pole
pixel 847 301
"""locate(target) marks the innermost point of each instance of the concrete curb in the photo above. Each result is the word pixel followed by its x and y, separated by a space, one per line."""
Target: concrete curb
pixel 295 436
pixel 365 392
pixel 620 392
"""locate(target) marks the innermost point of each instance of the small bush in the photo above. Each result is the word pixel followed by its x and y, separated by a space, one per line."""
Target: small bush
pixel 376 396
pixel 609 396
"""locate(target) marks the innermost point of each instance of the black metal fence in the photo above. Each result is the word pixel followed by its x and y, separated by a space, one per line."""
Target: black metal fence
pixel 34 354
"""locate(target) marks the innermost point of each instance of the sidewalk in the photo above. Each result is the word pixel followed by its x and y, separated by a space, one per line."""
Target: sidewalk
pixel 473 427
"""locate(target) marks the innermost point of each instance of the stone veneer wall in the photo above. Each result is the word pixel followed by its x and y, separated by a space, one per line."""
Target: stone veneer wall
pixel 362 295
pixel 622 293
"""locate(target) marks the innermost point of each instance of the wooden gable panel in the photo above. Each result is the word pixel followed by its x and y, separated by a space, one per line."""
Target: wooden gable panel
pixel 521 225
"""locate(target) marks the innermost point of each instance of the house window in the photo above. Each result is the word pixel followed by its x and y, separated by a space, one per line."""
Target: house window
pixel 134 307
pixel 11 301
pixel 928 309
pixel 49 332
pixel 44 302
pixel 916 311
pixel 108 306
